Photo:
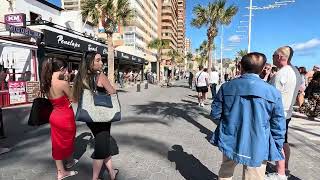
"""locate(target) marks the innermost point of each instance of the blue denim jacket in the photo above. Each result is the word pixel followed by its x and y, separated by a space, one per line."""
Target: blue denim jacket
pixel 251 120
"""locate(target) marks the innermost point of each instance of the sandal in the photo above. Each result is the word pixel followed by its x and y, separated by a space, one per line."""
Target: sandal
pixel 72 173
pixel 71 164
pixel 116 174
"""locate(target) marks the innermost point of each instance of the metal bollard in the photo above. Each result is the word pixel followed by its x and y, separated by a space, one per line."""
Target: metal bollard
pixel 2 136
pixel 138 87
pixel 146 85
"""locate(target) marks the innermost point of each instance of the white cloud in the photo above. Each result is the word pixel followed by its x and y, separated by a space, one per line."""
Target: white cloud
pixel 306 45
pixel 234 38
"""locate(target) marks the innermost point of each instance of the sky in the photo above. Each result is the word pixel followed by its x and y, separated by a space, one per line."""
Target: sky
pixel 296 24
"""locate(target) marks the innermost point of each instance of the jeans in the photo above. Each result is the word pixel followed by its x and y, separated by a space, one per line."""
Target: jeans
pixel 213 88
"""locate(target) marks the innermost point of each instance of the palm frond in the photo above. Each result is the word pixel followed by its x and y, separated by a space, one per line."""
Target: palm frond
pixel 124 13
pixel 89 10
pixel 228 14
pixel 200 13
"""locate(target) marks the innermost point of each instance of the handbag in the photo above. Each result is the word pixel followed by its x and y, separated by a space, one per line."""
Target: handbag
pixel 93 107
pixel 40 111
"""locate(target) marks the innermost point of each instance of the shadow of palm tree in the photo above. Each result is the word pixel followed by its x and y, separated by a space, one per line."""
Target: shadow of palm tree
pixel 174 111
pixel 189 166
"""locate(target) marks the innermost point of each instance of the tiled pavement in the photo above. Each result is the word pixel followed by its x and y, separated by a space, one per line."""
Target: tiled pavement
pixel 164 135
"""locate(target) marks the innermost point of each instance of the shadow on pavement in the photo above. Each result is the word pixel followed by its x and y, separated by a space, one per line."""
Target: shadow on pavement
pixel 272 168
pixel 193 96
pixel 140 120
pixel 174 111
pixel 182 86
pixel 304 130
pixel 121 91
pixel 189 166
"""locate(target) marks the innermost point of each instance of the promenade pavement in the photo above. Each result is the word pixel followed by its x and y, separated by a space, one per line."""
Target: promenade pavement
pixel 163 136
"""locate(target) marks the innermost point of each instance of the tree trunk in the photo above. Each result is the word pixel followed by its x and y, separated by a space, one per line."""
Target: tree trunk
pixel 209 54
pixel 158 65
pixel 110 59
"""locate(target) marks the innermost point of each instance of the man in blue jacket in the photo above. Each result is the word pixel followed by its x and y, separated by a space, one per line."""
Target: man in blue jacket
pixel 252 125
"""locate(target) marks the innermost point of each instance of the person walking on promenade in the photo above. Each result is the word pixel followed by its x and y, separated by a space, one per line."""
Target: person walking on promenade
pixel 251 127
pixel 287 80
pixel 190 79
pixel 62 120
pixel 214 81
pixel 202 83
pixel 90 68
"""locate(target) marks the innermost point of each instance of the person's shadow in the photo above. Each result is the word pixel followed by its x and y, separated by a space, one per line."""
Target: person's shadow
pixel 189 166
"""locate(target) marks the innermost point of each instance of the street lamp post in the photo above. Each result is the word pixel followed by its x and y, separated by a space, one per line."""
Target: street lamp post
pixel 249 28
pixel 221 53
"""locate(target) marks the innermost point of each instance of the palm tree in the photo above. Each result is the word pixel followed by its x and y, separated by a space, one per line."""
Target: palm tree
pixel 189 57
pixel 158 44
pixel 212 16
pixel 107 15
pixel 242 53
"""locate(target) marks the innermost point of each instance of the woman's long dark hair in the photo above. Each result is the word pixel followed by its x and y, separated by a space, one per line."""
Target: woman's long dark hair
pixel 50 66
pixel 85 75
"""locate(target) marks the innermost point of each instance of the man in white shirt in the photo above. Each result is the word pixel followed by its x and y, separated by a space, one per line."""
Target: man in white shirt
pixel 214 81
pixel 287 80
pixel 202 84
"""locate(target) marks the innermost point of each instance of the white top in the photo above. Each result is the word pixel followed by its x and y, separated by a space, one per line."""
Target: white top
pixel 287 80
pixel 214 77
pixel 201 79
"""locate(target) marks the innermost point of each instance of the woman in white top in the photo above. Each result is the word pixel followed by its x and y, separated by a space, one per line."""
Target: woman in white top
pixel 202 84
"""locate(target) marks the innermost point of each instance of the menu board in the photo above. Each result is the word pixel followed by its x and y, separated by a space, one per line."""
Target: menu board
pixel 17 91
pixel 32 89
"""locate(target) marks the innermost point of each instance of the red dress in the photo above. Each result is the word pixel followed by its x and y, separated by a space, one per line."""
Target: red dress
pixel 63 128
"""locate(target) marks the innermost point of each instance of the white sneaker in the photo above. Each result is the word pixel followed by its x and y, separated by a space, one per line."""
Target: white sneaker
pixel 275 176
pixel 202 104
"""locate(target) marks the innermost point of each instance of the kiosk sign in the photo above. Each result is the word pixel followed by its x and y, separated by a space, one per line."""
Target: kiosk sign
pixel 15 19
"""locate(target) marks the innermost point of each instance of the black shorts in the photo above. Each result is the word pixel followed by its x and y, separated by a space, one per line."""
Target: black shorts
pixel 202 89
pixel 287 126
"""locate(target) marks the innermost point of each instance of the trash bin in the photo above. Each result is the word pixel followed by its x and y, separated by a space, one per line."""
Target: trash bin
pixel 138 87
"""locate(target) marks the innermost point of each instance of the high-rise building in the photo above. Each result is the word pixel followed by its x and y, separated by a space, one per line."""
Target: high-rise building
pixel 73 5
pixel 169 25
pixel 181 25
pixel 187 44
pixel 142 29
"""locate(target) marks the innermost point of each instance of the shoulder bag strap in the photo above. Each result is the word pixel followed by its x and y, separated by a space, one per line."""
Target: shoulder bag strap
pixel 198 78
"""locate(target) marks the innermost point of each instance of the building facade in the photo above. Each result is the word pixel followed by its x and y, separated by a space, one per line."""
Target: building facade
pixel 143 28
pixel 71 5
pixel 187 46
pixel 181 26
pixel 169 27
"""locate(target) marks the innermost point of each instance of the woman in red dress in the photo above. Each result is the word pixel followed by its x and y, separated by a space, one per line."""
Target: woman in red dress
pixel 62 120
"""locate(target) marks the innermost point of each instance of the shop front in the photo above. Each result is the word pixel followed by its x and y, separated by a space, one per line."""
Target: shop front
pixel 58 43
pixel 126 63
pixel 18 61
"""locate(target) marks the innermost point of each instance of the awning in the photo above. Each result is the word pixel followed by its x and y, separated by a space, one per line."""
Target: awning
pixel 56 38
pixel 128 58
pixel 17 44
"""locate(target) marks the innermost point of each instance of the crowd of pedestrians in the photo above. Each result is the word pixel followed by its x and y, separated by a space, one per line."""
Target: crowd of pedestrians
pixel 253 111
